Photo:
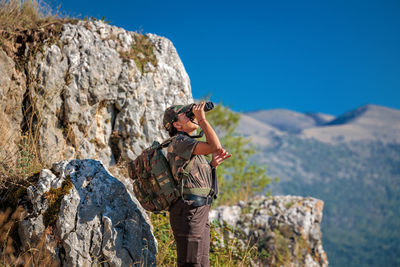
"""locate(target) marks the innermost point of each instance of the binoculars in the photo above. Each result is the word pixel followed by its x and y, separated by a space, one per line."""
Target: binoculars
pixel 208 106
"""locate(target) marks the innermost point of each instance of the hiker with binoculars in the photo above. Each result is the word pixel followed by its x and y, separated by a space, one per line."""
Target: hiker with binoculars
pixel 189 214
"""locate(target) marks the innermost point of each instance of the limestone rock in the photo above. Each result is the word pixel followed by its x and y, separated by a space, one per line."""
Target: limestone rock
pixel 89 96
pixel 287 228
pixel 98 219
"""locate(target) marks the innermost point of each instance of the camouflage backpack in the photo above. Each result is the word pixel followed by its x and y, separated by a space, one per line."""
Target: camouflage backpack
pixel 153 183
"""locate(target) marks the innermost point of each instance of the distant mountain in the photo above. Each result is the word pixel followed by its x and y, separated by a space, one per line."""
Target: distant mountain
pixel 289 121
pixel 352 162
pixel 369 115
pixel 364 123
pixel 260 132
pixel 320 118
pixel 370 122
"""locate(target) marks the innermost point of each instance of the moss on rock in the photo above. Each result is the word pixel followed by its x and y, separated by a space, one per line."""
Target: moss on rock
pixel 142 52
pixel 54 197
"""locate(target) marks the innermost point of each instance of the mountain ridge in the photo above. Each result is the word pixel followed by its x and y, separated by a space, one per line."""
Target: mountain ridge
pixel 362 123
pixel 292 121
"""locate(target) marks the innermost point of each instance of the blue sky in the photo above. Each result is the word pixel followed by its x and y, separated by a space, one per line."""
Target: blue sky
pixel 307 56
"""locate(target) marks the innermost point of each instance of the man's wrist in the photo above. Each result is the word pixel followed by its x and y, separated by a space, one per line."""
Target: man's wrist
pixel 201 120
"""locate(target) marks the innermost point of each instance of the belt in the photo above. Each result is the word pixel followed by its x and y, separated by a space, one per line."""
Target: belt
pixel 198 201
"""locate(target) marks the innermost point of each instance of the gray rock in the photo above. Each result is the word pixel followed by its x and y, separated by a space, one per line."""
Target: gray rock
pixel 229 214
pixel 99 220
pixel 271 222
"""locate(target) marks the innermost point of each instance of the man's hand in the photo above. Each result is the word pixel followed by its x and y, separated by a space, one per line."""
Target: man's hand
pixel 219 157
pixel 198 111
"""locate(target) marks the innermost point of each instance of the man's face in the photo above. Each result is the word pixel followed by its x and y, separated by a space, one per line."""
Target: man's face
pixel 184 124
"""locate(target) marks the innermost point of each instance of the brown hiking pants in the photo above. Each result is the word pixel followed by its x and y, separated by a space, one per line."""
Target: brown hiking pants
pixel 192 233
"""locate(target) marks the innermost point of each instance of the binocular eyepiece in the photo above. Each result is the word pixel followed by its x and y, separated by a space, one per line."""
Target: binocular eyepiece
pixel 208 106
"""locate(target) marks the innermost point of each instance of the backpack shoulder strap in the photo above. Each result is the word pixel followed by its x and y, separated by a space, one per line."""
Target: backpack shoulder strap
pixel 167 142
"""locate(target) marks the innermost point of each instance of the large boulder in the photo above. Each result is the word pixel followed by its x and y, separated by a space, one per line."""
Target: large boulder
pixel 285 229
pixel 93 218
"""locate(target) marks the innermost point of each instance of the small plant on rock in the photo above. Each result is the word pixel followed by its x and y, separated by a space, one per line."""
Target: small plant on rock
pixel 142 52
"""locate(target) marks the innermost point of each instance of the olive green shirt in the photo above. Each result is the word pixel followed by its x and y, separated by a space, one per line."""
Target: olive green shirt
pixel 179 152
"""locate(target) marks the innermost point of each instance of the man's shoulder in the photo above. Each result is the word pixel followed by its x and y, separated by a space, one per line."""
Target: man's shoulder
pixel 177 141
pixel 183 138
pixel 180 137
pixel 183 146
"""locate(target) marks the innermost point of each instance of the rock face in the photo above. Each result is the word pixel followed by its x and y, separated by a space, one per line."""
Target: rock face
pixel 95 93
pixel 286 229
pixel 97 218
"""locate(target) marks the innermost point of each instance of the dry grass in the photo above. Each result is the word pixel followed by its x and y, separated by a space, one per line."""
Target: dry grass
pixel 166 255
pixel 17 15
pixel 25 26
pixel 19 155
pixel 11 252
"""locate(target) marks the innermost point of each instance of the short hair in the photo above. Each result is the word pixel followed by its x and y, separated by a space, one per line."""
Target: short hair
pixel 172 131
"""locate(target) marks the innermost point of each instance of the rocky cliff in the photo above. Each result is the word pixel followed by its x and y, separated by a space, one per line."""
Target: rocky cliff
pixel 97 92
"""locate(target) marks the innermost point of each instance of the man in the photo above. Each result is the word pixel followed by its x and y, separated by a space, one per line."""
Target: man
pixel 189 214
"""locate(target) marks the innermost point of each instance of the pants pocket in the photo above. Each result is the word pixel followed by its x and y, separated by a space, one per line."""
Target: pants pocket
pixel 193 252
